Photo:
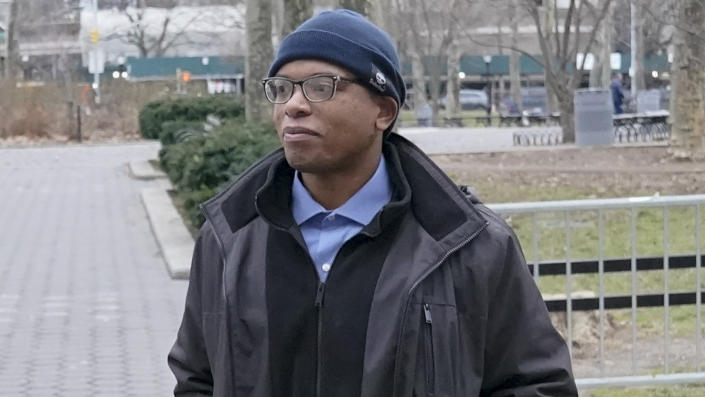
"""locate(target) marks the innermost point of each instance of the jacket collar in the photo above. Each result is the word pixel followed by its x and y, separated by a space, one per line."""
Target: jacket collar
pixel 361 207
pixel 418 185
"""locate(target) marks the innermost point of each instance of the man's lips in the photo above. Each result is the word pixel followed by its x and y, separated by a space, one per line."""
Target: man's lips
pixel 298 133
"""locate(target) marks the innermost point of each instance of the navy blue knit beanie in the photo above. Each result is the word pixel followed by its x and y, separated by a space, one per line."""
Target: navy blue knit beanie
pixel 347 39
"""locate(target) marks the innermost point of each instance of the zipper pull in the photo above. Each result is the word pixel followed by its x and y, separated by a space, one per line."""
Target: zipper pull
pixel 319 294
pixel 427 313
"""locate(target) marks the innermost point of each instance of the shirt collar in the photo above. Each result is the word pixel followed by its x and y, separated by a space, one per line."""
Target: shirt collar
pixel 361 207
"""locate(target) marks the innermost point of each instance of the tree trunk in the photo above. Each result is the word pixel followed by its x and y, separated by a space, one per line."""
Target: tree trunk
pixel 601 73
pixel 278 24
pixel 514 72
pixel 550 28
pixel 435 84
pixel 259 55
pixel 361 6
pixel 11 40
pixel 453 86
pixel 567 117
pixel 637 44
pixel 688 117
pixel 376 14
pixel 596 71
pixel 295 13
pixel 607 28
pixel 417 80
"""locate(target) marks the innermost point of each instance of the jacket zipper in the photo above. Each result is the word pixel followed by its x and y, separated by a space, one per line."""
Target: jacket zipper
pixel 429 358
pixel 416 284
pixel 443 259
pixel 320 292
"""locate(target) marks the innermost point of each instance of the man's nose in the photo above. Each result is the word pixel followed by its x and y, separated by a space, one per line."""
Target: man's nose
pixel 298 103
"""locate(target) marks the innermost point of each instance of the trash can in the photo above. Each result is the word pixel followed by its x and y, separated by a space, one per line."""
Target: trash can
pixel 424 115
pixel 593 117
pixel 648 101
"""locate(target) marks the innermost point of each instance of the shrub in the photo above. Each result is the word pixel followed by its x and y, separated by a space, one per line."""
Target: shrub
pixel 204 164
pixel 154 114
pixel 178 131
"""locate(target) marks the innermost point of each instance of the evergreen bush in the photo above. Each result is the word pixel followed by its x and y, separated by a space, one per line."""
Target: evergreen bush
pixel 199 167
pixel 155 114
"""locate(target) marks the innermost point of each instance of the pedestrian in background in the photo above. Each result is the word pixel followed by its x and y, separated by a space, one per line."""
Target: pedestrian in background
pixel 617 93
pixel 347 263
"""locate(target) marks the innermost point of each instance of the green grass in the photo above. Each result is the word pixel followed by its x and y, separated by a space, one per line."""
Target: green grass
pixel 553 241
pixel 408 118
pixel 670 391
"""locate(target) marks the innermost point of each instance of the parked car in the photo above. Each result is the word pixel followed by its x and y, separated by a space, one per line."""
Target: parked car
pixel 469 99
pixel 533 100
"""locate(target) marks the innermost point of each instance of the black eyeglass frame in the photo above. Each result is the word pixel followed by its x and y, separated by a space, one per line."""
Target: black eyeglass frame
pixel 335 78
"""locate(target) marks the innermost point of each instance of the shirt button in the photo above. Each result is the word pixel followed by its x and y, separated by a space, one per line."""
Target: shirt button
pixel 326 267
pixel 331 218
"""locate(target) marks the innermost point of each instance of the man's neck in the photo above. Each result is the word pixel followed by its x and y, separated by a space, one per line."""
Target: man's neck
pixel 332 190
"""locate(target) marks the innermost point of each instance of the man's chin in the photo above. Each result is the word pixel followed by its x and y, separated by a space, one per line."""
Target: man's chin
pixel 301 164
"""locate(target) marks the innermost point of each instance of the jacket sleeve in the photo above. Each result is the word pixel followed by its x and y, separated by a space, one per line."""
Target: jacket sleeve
pixel 188 359
pixel 524 354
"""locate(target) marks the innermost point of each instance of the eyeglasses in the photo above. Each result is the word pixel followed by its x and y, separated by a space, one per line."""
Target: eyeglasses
pixel 317 88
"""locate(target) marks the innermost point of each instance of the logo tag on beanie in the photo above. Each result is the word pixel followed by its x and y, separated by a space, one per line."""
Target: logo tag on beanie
pixel 378 79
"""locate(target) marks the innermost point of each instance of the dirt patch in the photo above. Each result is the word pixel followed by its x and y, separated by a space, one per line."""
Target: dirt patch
pixel 588 172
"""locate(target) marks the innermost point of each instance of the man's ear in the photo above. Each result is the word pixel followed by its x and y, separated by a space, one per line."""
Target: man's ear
pixel 387 112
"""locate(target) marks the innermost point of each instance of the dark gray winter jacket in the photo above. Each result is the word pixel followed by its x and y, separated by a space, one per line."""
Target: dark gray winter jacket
pixel 454 310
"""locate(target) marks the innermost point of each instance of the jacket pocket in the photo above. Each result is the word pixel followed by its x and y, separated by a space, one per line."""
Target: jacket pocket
pixel 429 354
pixel 437 350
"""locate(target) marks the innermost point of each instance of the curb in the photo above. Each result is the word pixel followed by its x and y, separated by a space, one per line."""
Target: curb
pixel 174 240
pixel 144 170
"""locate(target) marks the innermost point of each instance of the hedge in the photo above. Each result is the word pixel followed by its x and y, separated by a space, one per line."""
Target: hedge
pixel 201 166
pixel 179 130
pixel 154 114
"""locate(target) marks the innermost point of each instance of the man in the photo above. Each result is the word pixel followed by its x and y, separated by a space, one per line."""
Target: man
pixel 347 263
pixel 617 93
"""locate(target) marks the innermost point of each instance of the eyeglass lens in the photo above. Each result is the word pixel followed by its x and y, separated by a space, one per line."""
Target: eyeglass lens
pixel 316 89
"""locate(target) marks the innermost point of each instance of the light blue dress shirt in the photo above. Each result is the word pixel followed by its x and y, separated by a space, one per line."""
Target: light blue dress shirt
pixel 326 231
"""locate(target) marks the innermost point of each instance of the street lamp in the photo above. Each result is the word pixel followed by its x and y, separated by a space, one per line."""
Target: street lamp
pixel 488 60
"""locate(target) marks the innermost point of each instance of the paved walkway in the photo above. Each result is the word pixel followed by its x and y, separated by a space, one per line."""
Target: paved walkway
pixel 86 305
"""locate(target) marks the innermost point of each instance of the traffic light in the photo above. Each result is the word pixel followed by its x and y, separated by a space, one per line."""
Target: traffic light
pixel 94 36
pixel 185 77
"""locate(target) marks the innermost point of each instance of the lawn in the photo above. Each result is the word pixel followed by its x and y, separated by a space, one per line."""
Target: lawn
pixel 471 118
pixel 551 245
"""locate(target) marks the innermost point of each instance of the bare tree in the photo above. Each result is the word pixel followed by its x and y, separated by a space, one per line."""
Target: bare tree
pixel 688 111
pixel 259 55
pixel 151 40
pixel 560 46
pixel 428 33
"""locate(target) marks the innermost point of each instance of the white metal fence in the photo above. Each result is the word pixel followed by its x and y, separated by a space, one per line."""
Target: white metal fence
pixel 616 240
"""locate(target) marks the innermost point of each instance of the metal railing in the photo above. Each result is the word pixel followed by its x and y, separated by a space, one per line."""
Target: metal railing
pixel 526 219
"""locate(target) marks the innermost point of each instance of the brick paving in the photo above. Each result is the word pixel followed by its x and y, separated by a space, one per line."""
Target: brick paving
pixel 86 305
